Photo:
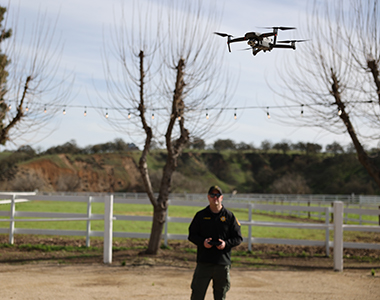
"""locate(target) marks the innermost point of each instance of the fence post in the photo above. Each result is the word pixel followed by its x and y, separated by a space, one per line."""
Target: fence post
pixel 108 226
pixel 338 236
pixel 298 212
pixel 345 219
pixel 327 235
pixel 12 216
pixel 88 229
pixel 250 207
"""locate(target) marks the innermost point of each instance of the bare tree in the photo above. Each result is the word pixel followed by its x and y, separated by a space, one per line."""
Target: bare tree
pixel 168 84
pixel 31 94
pixel 335 80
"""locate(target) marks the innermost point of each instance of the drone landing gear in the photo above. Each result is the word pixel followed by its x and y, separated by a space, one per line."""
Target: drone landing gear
pixel 255 51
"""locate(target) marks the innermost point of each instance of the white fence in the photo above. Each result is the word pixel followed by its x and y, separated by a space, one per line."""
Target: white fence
pixel 338 210
pixel 54 217
pixel 270 198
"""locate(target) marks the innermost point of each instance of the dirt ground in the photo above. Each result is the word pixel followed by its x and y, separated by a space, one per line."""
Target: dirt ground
pixel 61 268
pixel 80 282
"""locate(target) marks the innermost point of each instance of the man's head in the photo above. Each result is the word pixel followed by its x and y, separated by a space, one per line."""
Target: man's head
pixel 215 197
pixel 215 189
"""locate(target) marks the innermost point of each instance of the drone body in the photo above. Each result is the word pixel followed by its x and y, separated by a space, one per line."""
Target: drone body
pixel 261 41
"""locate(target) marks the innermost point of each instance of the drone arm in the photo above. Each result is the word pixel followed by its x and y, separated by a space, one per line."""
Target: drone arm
pixel 229 41
pixel 293 46
pixel 239 39
pixel 267 34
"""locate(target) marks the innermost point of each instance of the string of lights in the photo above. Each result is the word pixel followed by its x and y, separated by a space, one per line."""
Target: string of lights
pixel 235 109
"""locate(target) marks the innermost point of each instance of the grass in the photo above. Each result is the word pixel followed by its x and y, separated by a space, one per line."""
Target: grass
pixel 69 248
pixel 54 158
pixel 51 248
pixel 173 228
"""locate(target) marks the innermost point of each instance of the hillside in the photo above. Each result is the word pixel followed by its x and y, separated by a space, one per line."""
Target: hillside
pixel 244 171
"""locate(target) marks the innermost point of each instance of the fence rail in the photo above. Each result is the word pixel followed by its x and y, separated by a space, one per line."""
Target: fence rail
pixel 338 210
pixel 353 199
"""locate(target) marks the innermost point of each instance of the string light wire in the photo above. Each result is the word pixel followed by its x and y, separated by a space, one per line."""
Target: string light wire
pixel 153 109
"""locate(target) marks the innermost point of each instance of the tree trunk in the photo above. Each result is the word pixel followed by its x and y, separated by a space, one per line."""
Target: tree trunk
pixel 174 149
pixel 159 215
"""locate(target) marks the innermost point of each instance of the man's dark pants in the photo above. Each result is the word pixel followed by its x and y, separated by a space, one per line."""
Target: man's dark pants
pixel 203 274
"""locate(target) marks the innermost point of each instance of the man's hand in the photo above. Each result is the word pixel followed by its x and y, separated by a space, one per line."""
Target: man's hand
pixel 206 244
pixel 222 245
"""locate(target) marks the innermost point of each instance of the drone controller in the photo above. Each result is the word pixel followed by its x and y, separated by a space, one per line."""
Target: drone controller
pixel 214 242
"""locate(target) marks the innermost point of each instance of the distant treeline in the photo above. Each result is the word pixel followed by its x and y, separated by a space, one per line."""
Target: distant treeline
pixel 284 168
pixel 283 146
pixel 118 145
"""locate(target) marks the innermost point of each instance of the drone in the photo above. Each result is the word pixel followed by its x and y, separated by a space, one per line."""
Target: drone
pixel 262 41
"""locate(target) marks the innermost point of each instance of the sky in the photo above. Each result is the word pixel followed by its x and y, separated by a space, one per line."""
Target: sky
pixel 81 25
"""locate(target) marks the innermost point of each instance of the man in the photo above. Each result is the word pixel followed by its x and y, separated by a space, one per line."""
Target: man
pixel 214 230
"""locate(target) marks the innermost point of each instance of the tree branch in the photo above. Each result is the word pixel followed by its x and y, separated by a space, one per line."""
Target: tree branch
pixel 373 66
pixel 173 151
pixel 143 166
pixel 4 134
pixel 362 155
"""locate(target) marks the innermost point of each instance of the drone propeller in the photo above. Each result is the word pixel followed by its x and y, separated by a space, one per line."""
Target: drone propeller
pixel 280 27
pixel 229 36
pixel 223 34
pixel 291 41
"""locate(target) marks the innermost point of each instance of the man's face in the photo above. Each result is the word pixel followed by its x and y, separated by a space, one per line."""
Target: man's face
pixel 215 198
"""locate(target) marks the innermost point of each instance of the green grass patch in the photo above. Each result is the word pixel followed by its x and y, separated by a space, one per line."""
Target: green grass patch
pixel 362 258
pixel 51 248
pixel 54 158
pixel 191 250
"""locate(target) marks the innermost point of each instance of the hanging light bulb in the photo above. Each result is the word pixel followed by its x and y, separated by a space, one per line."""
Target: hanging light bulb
pixel 301 110
pixel 235 117
pixel 45 110
pixel 339 112
pixel 10 106
pixel 85 111
pixel 268 115
pixel 207 116
pixel 179 118
pixel 129 115
pixel 106 113
pixel 27 108
pixel 152 116
pixel 64 111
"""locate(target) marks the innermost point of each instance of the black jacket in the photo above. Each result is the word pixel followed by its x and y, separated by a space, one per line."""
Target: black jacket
pixel 222 225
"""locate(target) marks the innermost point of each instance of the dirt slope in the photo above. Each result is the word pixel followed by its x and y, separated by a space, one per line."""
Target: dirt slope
pixel 64 173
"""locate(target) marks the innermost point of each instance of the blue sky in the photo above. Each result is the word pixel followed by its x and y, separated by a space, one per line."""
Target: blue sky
pixel 81 24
